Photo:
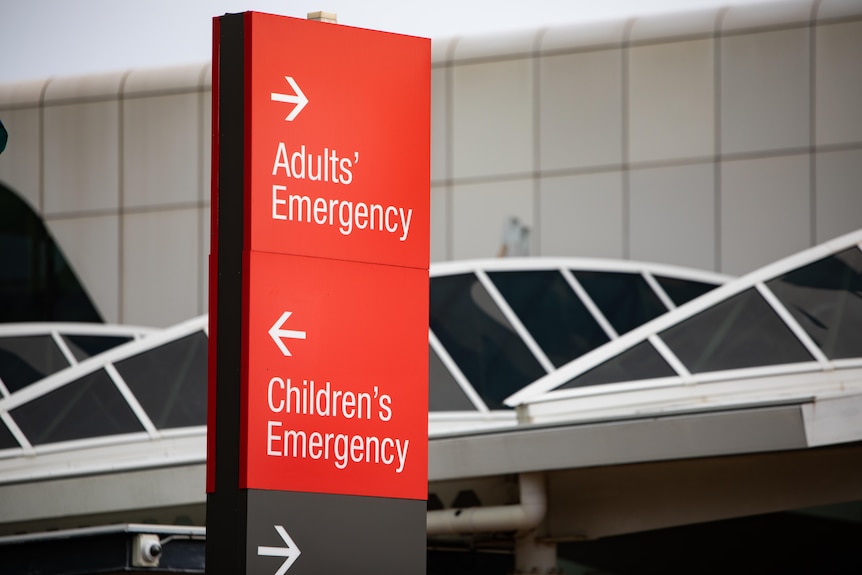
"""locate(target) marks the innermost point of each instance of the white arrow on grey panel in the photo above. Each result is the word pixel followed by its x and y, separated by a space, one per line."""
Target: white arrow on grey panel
pixel 290 551
pixel 277 334
pixel 297 98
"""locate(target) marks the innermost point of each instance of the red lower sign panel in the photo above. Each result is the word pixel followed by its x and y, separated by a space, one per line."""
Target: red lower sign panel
pixel 336 369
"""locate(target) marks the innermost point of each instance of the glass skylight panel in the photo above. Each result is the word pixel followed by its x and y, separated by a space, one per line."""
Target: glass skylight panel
pixel 625 299
pixel 27 359
pixel 825 297
pixel 170 381
pixel 552 313
pixel 88 407
pixel 479 339
pixel 742 331
pixel 86 346
pixel 444 393
pixel 682 291
pixel 639 362
pixel 7 440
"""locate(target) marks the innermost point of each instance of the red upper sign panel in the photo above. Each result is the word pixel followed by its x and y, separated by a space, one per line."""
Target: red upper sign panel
pixel 339 141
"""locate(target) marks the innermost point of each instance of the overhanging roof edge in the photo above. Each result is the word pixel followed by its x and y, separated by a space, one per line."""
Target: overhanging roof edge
pixel 693 435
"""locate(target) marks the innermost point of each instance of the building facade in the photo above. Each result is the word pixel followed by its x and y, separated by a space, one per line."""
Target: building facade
pixel 718 140
pixel 721 141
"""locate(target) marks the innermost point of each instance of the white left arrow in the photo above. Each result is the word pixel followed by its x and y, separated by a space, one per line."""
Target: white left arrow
pixel 290 551
pixel 297 98
pixel 277 334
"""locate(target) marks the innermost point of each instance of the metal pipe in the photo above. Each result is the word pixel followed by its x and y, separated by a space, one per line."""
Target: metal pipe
pixel 521 517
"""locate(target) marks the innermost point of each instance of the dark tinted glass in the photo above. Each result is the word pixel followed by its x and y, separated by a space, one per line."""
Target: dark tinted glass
pixel 825 297
pixel 551 312
pixel 625 299
pixel 681 291
pixel 7 440
pixel 640 362
pixel 89 407
pixel 36 281
pixel 479 339
pixel 444 393
pixel 170 381
pixel 742 331
pixel 24 360
pixel 85 346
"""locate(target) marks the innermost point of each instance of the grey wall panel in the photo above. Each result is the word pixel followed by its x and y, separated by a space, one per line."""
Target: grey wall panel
pixel 160 150
pixel 440 223
pixel 838 83
pixel 161 245
pixel 580 110
pixel 765 211
pixel 492 116
pixel 673 215
pixel 761 15
pixel 675 26
pixel 671 101
pixel 583 36
pixel 204 192
pixel 765 91
pixel 440 168
pixel 839 193
pixel 82 158
pixel 91 244
pixel 480 212
pixel 204 215
pixel 582 215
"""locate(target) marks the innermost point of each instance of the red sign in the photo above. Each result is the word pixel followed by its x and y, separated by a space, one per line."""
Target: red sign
pixel 319 297
pixel 334 279
pixel 339 141
pixel 336 354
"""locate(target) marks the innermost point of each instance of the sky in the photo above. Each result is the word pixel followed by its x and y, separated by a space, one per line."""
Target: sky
pixel 44 38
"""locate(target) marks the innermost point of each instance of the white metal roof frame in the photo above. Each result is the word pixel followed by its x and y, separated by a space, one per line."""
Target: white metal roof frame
pixel 108 451
pixel 545 388
pixel 56 331
pixel 74 372
pixel 565 266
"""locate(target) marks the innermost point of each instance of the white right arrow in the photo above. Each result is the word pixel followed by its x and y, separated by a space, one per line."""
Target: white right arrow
pixel 290 551
pixel 297 98
pixel 276 333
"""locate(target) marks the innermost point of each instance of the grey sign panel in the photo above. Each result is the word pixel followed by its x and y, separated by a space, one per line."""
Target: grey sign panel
pixel 293 533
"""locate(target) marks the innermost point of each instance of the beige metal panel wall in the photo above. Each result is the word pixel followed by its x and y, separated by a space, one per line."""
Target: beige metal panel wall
pixel 118 167
pixel 838 207
pixel 721 139
pixel 581 214
pixel 838 87
pixel 580 122
pixel 80 174
pixel 765 210
pixel 91 244
pixel 480 210
pixel 205 98
pixel 441 170
pixel 671 101
pixel 685 235
pixel 81 146
pixel 165 194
